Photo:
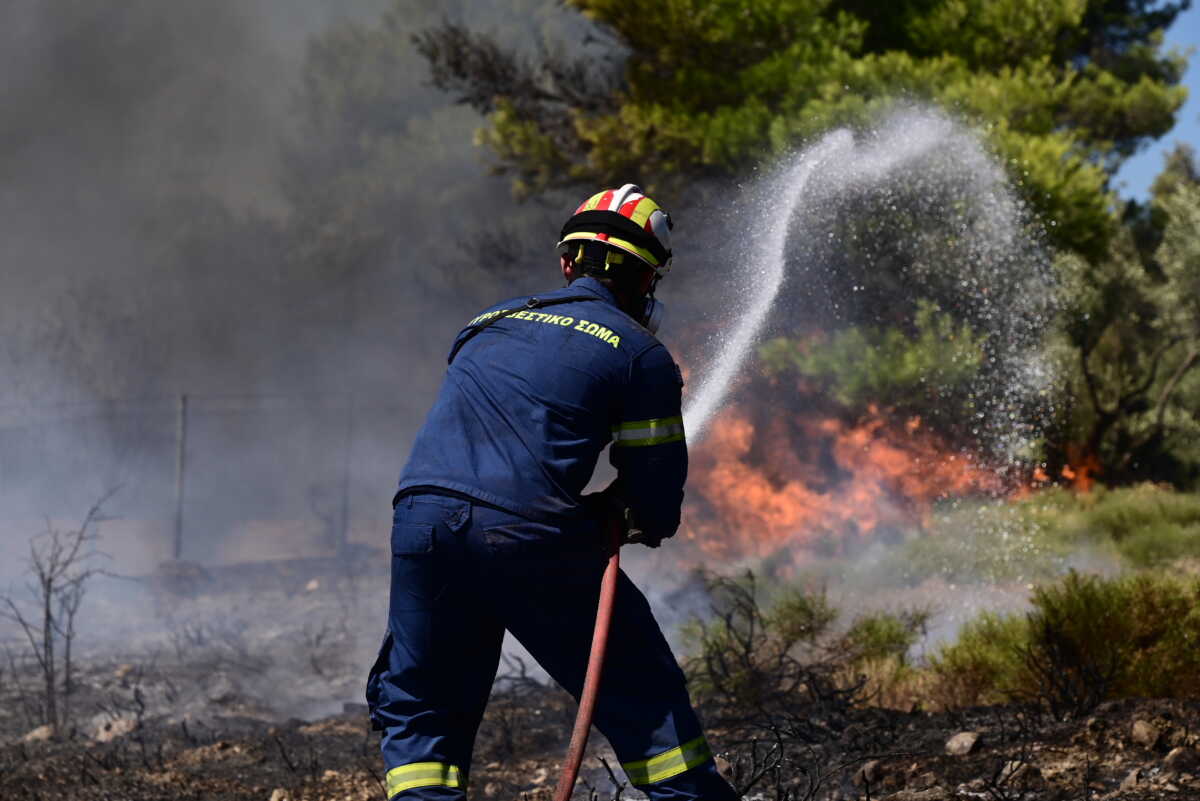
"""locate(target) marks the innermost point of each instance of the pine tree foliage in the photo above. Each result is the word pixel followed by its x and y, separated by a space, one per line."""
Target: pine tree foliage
pixel 1133 326
pixel 1065 89
pixel 928 370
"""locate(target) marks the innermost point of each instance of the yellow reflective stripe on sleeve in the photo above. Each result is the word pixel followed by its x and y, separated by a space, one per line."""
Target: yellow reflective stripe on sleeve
pixel 648 432
pixel 422 774
pixel 669 763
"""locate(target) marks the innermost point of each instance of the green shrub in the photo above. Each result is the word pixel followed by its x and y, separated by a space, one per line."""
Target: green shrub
pixel 1150 525
pixel 1160 544
pixel 1086 640
pixel 1076 653
pixel 797 616
pixel 773 649
pixel 983 665
pixel 885 635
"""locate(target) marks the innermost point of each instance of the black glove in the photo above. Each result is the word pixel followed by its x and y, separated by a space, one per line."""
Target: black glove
pixel 605 505
pixel 636 535
pixel 608 505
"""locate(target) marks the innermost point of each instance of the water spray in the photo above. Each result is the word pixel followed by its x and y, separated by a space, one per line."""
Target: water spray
pixel 764 262
pixel 917 162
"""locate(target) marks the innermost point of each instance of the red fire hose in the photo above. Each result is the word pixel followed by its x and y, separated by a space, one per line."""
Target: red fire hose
pixel 591 684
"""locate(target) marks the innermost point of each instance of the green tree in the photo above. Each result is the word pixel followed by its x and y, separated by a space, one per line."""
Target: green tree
pixel 1133 328
pixel 1064 89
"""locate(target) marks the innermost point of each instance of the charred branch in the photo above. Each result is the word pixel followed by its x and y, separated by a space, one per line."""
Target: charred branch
pixel 59 570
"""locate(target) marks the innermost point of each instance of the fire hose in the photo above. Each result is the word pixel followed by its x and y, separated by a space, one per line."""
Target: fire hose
pixel 591 683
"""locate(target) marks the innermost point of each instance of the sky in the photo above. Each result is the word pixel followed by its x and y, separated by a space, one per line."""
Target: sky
pixel 1136 175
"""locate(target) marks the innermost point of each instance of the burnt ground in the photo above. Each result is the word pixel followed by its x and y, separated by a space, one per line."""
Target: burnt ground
pixel 250 695
pixel 1134 749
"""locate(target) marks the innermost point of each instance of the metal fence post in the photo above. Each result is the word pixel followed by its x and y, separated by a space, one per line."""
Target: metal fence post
pixel 180 465
pixel 344 534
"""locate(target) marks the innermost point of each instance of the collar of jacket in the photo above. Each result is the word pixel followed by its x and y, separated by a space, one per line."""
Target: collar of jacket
pixel 593 286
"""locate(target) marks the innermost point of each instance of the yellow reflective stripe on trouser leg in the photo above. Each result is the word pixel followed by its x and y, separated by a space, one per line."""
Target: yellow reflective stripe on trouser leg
pixel 422 774
pixel 669 763
pixel 648 432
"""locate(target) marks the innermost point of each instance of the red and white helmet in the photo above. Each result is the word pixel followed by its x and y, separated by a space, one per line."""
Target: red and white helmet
pixel 627 220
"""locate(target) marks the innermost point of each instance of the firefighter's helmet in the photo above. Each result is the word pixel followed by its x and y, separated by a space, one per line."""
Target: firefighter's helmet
pixel 624 219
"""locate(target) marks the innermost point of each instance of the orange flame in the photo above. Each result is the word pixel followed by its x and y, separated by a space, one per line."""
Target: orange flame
pixel 1081 469
pixel 799 480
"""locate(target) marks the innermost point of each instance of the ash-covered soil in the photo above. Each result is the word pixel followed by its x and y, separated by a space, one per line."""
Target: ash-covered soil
pixel 255 694
pixel 1138 749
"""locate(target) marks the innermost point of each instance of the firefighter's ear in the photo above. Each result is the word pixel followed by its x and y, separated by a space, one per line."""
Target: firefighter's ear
pixel 567 263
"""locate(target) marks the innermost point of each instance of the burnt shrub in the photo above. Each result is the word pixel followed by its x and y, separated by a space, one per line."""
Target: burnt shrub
pixel 754 654
pixel 787 693
pixel 772 650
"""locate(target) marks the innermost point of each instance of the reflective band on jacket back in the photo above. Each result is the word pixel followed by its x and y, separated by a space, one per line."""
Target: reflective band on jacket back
pixel 669 763
pixel 422 774
pixel 648 432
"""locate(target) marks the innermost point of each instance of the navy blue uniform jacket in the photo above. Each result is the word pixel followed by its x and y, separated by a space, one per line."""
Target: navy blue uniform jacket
pixel 529 403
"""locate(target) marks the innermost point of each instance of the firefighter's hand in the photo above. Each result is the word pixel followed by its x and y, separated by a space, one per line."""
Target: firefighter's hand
pixel 639 537
pixel 605 506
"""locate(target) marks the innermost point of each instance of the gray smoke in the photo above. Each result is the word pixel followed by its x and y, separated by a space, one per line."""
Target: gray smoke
pixel 186 206
pixel 264 206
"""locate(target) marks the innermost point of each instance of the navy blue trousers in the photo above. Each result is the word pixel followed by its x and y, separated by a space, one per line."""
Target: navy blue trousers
pixel 462 573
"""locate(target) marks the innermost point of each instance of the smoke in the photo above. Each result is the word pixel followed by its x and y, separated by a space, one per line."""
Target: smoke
pixel 261 205
pixel 122 127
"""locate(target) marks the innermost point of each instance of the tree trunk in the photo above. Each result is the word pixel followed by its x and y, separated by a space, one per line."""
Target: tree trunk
pixel 48 671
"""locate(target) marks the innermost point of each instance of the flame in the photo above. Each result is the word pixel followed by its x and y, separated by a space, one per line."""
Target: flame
pixel 794 481
pixel 1081 468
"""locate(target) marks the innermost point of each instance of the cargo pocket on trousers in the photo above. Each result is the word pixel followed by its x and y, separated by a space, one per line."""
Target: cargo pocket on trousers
pixel 417 576
pixel 508 540
pixel 375 678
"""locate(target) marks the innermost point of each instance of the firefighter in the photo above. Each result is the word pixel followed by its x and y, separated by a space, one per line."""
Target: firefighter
pixel 491 529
